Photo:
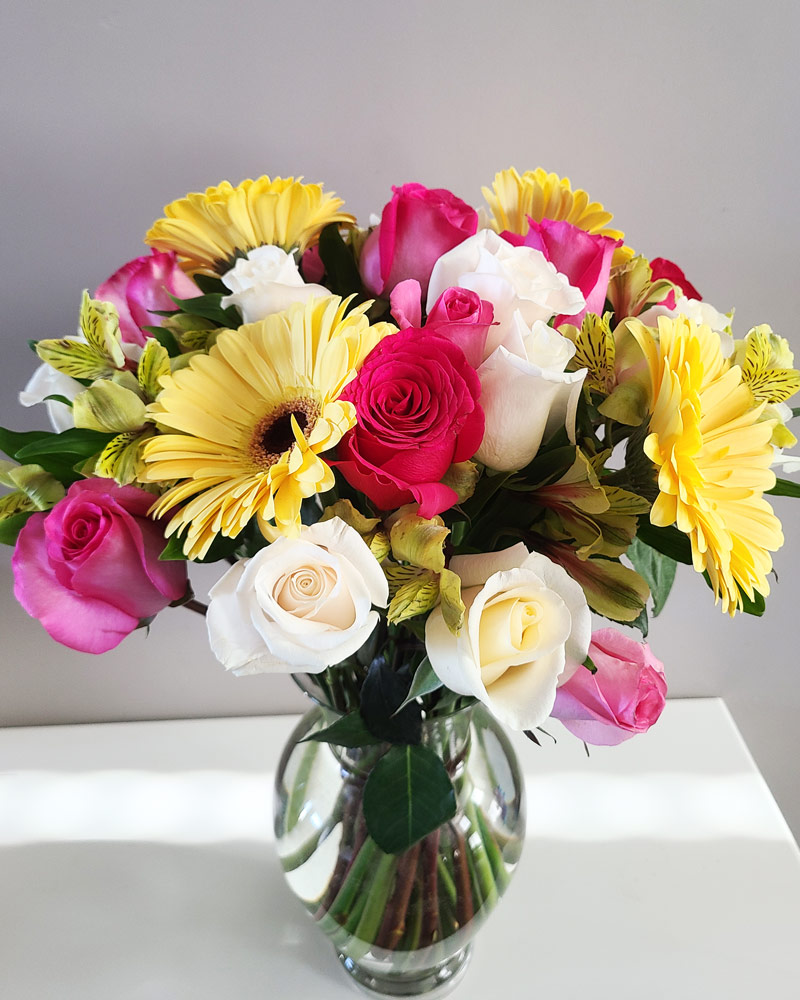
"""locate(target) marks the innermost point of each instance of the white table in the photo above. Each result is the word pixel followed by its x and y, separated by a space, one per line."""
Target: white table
pixel 136 863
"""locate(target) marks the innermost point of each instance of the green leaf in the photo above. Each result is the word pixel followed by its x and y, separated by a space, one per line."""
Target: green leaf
pixel 784 488
pixel 756 607
pixel 10 527
pixel 340 265
pixel 425 681
pixel 210 284
pixel 210 307
pixel 383 694
pixel 668 541
pixel 59 453
pixel 221 548
pixel 589 664
pixel 349 731
pixel 166 338
pixel 796 411
pixel 12 442
pixel 641 622
pixel 56 398
pixel 656 568
pixel 408 795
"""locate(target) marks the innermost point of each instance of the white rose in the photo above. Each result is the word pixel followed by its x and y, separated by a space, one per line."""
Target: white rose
pixel 46 381
pixel 700 313
pixel 266 281
pixel 299 604
pixel 511 278
pixel 526 395
pixel 527 631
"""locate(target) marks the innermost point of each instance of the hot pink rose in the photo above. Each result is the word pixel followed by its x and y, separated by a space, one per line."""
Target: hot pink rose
pixel 416 400
pixel 663 268
pixel 142 286
pixel 417 226
pixel 625 697
pixel 583 257
pixel 89 568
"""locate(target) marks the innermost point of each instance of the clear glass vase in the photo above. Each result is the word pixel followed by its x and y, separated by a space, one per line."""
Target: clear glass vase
pixel 402 925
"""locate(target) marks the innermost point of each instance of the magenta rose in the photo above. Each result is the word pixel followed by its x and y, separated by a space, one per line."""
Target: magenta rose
pixel 417 226
pixel 585 258
pixel 663 268
pixel 416 399
pixel 625 697
pixel 143 286
pixel 89 569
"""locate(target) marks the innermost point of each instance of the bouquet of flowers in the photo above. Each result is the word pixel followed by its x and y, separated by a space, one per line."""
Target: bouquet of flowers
pixel 428 450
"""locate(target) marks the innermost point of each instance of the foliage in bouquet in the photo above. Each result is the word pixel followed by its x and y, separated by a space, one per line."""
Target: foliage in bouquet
pixel 429 450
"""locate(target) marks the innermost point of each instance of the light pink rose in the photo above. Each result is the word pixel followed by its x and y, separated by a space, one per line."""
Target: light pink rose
pixel 143 286
pixel 417 226
pixel 625 697
pixel 583 257
pixel 89 569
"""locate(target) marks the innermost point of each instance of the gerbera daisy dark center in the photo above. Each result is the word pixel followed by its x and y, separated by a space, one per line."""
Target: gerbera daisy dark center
pixel 273 434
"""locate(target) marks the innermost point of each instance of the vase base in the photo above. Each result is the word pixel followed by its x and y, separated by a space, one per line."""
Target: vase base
pixel 431 983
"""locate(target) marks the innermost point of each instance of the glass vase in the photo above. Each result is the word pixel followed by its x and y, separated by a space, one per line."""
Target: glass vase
pixel 402 925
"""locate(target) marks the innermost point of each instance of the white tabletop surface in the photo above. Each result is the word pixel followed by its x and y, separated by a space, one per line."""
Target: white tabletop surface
pixel 136 863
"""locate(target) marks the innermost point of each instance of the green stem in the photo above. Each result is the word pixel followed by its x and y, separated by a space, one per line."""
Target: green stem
pixel 447 880
pixel 353 882
pixel 465 910
pixel 297 792
pixel 394 918
pixel 494 853
pixel 302 854
pixel 379 891
pixel 480 859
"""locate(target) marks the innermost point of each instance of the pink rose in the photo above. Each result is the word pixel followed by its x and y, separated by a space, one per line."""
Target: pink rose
pixel 417 409
pixel 583 257
pixel 417 226
pixel 626 696
pixel 663 268
pixel 458 314
pixel 89 569
pixel 463 317
pixel 141 287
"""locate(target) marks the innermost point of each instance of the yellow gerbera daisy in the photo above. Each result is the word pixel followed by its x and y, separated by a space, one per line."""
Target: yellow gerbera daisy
pixel 713 457
pixel 514 197
pixel 254 414
pixel 208 230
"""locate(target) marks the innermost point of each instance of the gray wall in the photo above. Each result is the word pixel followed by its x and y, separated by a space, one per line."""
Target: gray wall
pixel 682 118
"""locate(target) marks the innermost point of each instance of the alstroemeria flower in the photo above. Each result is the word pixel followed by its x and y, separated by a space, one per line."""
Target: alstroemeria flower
pixel 527 630
pixel 526 395
pixel 301 603
pixel 45 382
pixel 267 281
pixel 511 278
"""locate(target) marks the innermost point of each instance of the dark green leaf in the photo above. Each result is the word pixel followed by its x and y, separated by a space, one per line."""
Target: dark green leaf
pixel 341 270
pixel 407 796
pixel 785 488
pixel 221 548
pixel 210 284
pixel 166 339
pixel 210 307
pixel 656 568
pixel 589 664
pixel 668 541
pixel 13 441
pixel 425 681
pixel 59 454
pixel 382 696
pixel 10 527
pixel 796 411
pixel 548 466
pixel 349 731
pixel 59 399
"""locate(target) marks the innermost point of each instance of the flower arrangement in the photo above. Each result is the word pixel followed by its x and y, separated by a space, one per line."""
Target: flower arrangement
pixel 429 450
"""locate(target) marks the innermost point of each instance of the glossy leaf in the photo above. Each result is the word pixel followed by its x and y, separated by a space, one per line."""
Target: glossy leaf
pixel 407 796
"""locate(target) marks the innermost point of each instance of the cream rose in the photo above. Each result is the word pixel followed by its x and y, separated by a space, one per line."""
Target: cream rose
pixel 527 630
pixel 526 395
pixel 266 281
pixel 511 278
pixel 299 604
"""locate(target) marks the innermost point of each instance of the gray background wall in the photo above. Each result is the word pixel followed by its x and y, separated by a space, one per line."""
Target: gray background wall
pixel 682 118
